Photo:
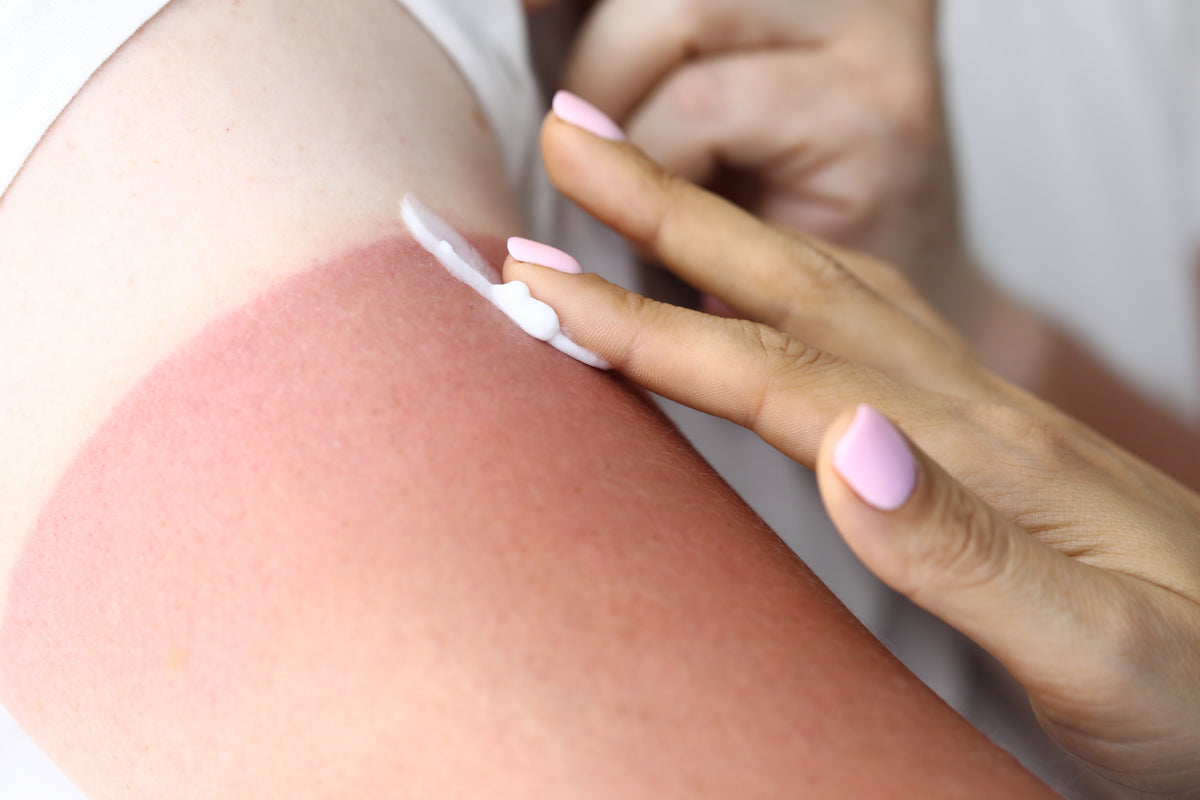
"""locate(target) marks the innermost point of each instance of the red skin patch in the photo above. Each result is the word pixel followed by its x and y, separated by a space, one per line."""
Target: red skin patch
pixel 365 534
pixel 358 420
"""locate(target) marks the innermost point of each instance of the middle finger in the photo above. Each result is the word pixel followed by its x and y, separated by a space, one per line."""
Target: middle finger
pixel 767 275
pixel 786 391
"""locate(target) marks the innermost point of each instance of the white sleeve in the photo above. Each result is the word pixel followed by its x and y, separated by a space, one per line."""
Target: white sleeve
pixel 487 41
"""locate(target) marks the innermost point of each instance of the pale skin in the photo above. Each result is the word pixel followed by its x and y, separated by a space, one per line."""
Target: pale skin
pixel 1071 561
pixel 289 513
pixel 825 117
pixel 134 132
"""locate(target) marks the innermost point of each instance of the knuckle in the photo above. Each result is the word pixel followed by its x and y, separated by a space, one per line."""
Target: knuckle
pixel 891 279
pixel 694 92
pixel 1002 420
pixel 916 106
pixel 910 101
pixel 783 358
pixel 671 192
pixel 693 22
pixel 901 87
pixel 670 186
pixel 1033 442
pixel 965 547
pixel 822 271
pixel 646 315
pixel 781 352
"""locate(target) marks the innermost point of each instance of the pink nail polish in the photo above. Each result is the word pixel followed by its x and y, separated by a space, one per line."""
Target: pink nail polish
pixel 717 307
pixel 532 252
pixel 574 109
pixel 875 460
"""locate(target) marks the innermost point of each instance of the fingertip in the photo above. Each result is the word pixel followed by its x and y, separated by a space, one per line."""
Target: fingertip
pixel 574 110
pixel 528 272
pixel 573 295
pixel 567 153
pixel 874 459
pixel 837 495
pixel 531 252
pixel 508 272
pixel 865 477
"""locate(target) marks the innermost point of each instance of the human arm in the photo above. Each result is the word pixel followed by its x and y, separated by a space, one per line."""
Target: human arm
pixel 301 517
pixel 1074 563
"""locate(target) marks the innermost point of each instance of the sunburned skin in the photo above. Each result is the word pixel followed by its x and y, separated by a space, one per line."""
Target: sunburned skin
pixel 363 537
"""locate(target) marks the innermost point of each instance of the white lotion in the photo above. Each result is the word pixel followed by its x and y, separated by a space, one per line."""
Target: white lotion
pixel 464 262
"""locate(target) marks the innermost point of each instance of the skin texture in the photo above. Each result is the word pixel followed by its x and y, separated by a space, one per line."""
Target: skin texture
pixel 226 147
pixel 1072 562
pixel 319 518
pixel 288 512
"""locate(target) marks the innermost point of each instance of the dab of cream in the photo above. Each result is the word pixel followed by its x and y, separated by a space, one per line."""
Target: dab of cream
pixel 464 262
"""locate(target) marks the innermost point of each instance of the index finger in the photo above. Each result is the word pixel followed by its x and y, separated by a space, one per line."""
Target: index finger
pixel 786 391
pixel 708 241
pixel 770 276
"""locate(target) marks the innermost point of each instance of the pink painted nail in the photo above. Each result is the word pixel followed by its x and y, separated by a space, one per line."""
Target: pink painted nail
pixel 532 252
pixel 875 460
pixel 717 307
pixel 579 112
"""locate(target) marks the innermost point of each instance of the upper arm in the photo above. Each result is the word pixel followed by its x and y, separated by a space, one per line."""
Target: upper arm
pixel 225 148
pixel 289 512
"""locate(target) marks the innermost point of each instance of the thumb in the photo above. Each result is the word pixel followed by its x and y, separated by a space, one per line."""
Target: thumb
pixel 931 539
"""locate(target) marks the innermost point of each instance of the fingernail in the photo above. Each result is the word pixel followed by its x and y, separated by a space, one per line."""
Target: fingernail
pixel 532 252
pixel 717 307
pixel 875 460
pixel 579 112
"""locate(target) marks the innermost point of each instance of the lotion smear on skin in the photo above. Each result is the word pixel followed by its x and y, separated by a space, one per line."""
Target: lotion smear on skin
pixel 465 263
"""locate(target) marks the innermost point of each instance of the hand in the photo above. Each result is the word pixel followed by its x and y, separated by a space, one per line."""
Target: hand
pixel 1075 564
pixel 821 116
pixel 825 117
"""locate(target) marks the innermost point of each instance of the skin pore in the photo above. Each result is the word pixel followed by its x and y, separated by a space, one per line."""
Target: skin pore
pixel 290 512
